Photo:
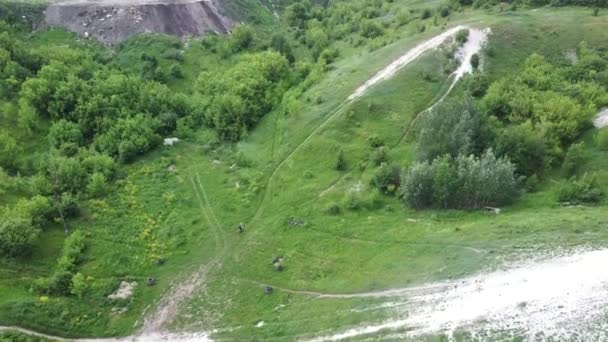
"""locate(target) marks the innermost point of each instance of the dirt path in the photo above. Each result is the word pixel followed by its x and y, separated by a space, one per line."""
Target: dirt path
pixel 170 303
pixel 563 298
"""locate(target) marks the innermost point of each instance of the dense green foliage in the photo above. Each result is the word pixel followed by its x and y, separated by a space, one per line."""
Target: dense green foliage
pixel 461 182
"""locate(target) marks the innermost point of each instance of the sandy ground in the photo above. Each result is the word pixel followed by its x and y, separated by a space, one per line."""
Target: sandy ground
pixel 410 56
pixel 562 298
pixel 601 120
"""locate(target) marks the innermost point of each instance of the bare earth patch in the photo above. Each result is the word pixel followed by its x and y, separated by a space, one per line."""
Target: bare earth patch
pixel 562 298
pixel 124 291
pixel 601 120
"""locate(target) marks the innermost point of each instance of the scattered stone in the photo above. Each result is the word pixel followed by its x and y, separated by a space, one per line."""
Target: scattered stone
pixel 260 324
pixel 170 141
pixel 124 291
pixel 278 264
pixel 296 222
pixel 412 220
pixel 268 290
pixel 172 168
pixel 160 261
pixel 151 281
pixel 216 162
pixel 493 210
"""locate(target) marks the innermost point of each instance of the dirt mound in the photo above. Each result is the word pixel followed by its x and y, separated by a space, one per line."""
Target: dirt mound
pixel 111 21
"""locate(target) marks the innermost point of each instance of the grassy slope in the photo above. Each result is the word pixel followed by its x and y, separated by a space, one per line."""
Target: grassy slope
pixel 154 212
pixel 377 249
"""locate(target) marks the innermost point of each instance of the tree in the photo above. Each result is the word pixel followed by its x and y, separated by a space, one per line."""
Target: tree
pixel 66 177
pixel 236 100
pixel 575 159
pixel 97 184
pixel 241 38
pixel 63 132
pixel 387 178
pixel 465 182
pixel 280 44
pixel 453 127
pixel 17 233
pixel 9 150
pixel 525 147
pixel 371 29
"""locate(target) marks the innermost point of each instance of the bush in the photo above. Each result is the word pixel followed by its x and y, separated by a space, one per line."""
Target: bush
pixel 371 29
pixel 453 127
pixel 379 156
pixel 333 209
pixel 580 190
pixel 60 282
pixel 601 139
pixel 464 182
pixel 475 61
pixel 375 141
pixel 98 184
pixel 575 159
pixel 341 161
pixel 524 147
pixel 387 178
pixel 462 36
pixel 444 11
pixel 426 13
pixel 17 233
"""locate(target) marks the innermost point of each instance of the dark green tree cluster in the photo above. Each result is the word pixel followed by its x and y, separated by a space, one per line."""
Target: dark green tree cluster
pixel 466 182
pixel 233 102
pixel 542 110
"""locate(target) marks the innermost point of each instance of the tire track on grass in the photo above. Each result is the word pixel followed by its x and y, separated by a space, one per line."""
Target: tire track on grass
pixel 170 303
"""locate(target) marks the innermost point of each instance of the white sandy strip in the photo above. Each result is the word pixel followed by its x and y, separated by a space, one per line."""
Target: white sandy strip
pixel 404 60
pixel 154 337
pixel 473 45
pixel 561 298
pixel 601 120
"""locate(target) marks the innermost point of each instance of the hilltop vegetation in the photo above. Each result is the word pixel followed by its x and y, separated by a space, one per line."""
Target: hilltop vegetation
pixel 353 195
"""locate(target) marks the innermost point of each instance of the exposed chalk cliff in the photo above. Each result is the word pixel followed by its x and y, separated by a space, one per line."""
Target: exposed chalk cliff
pixel 111 21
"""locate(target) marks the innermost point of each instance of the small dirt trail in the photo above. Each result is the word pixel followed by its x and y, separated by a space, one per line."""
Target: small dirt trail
pixel 169 305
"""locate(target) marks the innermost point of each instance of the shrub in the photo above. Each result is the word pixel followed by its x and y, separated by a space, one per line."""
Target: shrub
pixel 387 178
pixel 444 11
pixel 464 182
pixel 379 156
pixel 17 233
pixel 426 13
pixel 475 61
pixel 98 184
pixel 375 141
pixel 333 209
pixel 602 139
pixel 462 36
pixel 575 159
pixel 352 201
pixel 371 29
pixel 341 161
pixel 524 147
pixel 453 128
pixel 60 282
pixel 580 190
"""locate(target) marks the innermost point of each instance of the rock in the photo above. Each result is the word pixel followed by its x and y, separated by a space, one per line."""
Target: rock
pixel 172 168
pixel 160 261
pixel 151 281
pixel 181 18
pixel 170 141
pixel 268 290
pixel 124 291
